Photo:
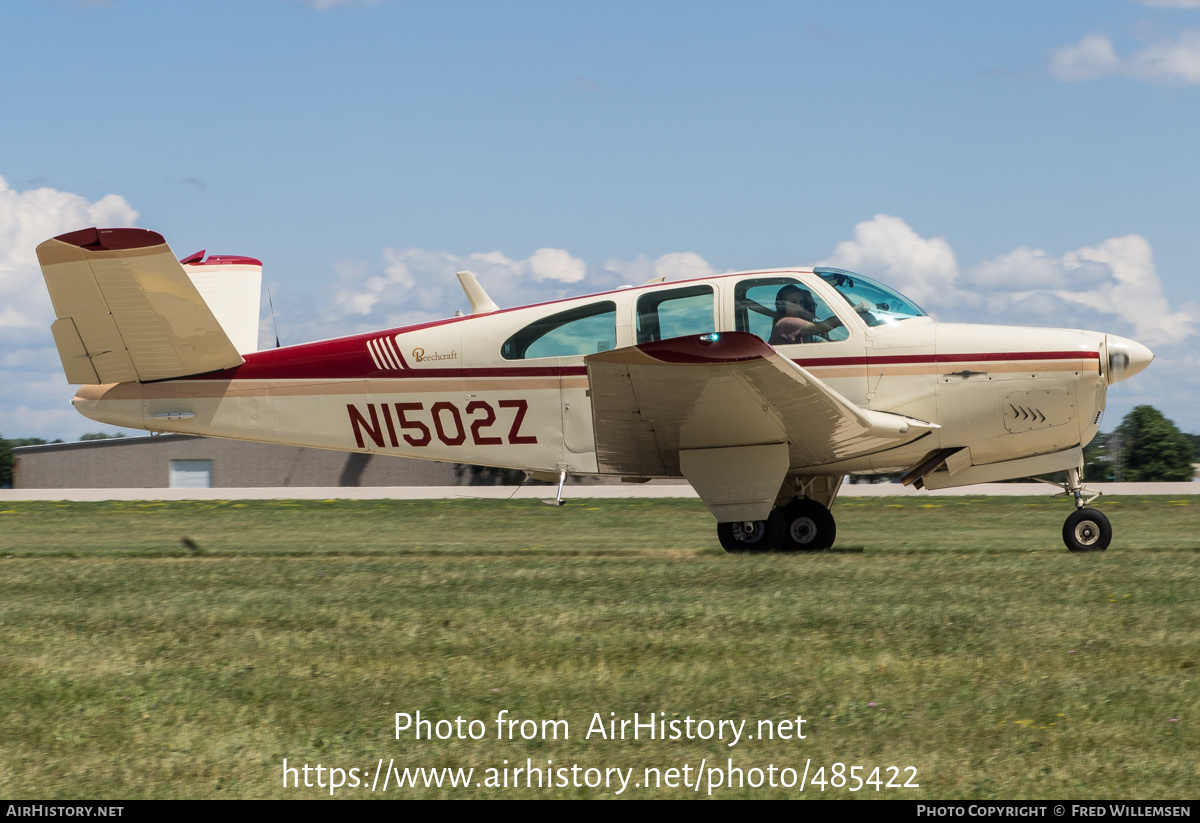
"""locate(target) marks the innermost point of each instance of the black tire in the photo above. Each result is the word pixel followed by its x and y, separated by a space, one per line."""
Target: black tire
pixel 752 535
pixel 1087 530
pixel 808 527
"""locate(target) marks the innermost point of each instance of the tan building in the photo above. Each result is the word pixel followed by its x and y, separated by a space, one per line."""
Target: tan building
pixel 184 461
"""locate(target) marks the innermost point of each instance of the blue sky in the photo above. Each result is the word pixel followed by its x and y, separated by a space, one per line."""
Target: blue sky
pixel 1020 162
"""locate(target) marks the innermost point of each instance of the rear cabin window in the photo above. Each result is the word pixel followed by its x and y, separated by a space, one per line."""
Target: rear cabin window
pixel 675 313
pixel 583 330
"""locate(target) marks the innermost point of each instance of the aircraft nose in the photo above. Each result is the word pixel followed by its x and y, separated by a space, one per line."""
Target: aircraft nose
pixel 1125 358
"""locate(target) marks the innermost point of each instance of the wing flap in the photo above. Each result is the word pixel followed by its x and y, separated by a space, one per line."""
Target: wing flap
pixel 134 314
pixel 629 438
pixel 725 391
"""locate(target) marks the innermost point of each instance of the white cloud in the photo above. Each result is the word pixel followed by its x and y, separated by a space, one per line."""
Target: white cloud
pixel 415 285
pixel 1134 292
pixel 26 219
pixel 1170 61
pixel 924 269
pixel 1091 57
pixel 1112 286
pixel 34 402
pixel 1022 268
pixel 683 265
pixel 556 264
pixel 1167 61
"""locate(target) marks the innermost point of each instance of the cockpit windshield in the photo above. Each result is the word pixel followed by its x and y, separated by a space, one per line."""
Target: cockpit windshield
pixel 875 303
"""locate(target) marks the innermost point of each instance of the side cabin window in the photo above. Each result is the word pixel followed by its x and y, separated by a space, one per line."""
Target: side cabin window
pixel 583 330
pixel 675 313
pixel 783 311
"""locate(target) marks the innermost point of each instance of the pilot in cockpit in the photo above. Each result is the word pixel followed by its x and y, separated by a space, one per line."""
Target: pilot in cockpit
pixel 796 318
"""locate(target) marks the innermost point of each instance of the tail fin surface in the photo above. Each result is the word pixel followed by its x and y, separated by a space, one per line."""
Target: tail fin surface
pixel 127 311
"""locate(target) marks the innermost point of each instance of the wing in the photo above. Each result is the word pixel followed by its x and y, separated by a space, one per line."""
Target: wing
pixel 127 311
pixel 727 411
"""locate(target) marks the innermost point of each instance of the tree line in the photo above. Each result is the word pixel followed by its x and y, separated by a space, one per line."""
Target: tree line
pixel 1146 447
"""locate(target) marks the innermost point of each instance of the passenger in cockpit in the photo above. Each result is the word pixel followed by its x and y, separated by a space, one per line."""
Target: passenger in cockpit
pixel 796 318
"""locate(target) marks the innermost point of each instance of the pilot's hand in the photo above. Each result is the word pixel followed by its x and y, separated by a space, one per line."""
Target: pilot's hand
pixel 790 328
pixel 863 307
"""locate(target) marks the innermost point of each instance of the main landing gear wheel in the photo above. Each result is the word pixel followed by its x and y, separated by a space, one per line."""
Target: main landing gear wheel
pixel 1087 530
pixel 752 535
pixel 809 527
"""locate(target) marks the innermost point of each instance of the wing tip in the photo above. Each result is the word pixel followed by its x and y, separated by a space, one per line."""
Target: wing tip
pixel 121 239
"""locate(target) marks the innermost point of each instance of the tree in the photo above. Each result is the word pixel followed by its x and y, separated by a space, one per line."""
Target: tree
pixel 1099 456
pixel 6 456
pixel 1152 448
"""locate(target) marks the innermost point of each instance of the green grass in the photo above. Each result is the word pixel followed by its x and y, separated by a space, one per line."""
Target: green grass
pixel 999 665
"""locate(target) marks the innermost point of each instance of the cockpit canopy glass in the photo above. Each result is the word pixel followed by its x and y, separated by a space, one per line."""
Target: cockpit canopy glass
pixel 875 303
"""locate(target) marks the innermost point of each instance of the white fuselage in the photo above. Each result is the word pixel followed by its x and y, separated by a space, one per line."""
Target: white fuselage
pixel 510 388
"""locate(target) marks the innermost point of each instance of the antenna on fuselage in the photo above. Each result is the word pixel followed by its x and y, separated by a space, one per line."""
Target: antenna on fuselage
pixel 271 303
pixel 478 298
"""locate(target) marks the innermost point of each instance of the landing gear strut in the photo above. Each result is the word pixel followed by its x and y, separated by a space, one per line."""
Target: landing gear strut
pixel 1086 530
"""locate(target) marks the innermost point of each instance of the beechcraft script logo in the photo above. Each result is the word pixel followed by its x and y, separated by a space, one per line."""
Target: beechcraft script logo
pixel 422 356
pixel 386 354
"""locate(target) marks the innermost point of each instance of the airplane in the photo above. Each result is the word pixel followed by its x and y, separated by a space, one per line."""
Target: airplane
pixel 763 389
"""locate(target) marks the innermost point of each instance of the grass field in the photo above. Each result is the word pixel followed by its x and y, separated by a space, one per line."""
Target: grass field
pixel 186 649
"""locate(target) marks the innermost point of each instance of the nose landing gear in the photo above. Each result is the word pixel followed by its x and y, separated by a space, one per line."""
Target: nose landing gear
pixel 1086 530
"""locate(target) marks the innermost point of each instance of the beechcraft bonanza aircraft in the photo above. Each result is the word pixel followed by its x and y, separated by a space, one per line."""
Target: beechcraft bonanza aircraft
pixel 763 389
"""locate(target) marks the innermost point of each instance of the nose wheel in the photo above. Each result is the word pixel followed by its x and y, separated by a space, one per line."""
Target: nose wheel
pixel 1086 530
